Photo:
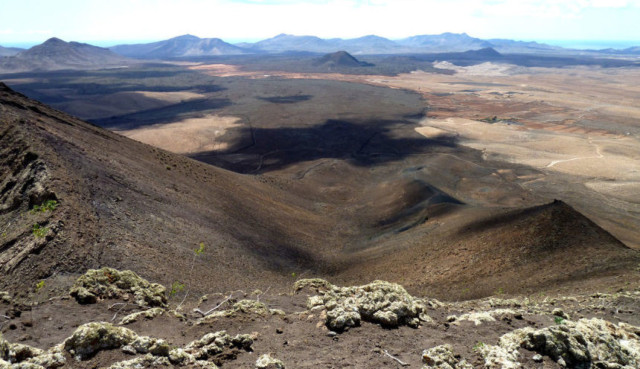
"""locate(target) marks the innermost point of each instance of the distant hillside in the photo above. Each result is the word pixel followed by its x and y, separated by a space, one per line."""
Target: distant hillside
pixel 177 47
pixel 284 42
pixel 445 42
pixel 56 54
pixel 340 59
pixel 9 51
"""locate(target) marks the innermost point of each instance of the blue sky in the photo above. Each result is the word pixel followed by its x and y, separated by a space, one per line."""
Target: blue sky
pixel 24 22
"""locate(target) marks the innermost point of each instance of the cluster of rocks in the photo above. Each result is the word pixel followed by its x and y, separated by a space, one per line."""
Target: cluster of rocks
pixel 88 339
pixel 385 303
pixel 442 357
pixel 114 284
pixel 587 343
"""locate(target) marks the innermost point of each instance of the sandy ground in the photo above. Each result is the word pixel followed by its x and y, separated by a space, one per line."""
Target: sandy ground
pixel 186 136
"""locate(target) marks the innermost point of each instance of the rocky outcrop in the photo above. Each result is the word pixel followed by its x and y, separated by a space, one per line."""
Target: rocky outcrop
pixel 111 283
pixel 442 357
pixel 482 316
pixel 91 338
pixel 267 361
pixel 16 355
pixel 387 304
pixel 587 343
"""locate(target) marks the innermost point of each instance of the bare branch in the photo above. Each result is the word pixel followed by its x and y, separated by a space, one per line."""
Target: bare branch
pixel 205 313
pixel 119 310
pixel 395 358
pixel 265 291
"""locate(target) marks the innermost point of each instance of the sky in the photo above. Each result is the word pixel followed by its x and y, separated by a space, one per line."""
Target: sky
pixel 105 23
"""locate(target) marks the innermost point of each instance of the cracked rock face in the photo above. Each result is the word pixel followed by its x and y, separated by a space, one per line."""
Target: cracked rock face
pixel 112 283
pixel 387 304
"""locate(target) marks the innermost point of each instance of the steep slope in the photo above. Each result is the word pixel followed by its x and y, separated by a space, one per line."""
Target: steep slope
pixel 131 206
pixel 56 54
pixel 177 47
pixel 128 205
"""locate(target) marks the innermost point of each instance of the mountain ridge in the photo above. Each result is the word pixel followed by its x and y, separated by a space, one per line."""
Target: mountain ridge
pixel 56 54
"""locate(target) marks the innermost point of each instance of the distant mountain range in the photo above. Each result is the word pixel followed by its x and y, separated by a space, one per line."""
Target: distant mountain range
pixel 182 46
pixel 9 51
pixel 56 54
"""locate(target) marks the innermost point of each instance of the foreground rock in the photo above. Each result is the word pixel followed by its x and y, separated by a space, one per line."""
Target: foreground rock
pixel 91 338
pixel 442 357
pixel 111 283
pixel 587 343
pixel 388 304
pixel 266 361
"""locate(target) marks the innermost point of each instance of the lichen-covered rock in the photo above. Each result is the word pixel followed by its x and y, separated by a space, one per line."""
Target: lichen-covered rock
pixel 504 355
pixel 147 314
pixel 90 338
pixel 19 356
pixel 243 341
pixel 251 307
pixel 112 283
pixel 482 316
pixel 560 313
pixel 241 307
pixel 313 283
pixel 19 352
pixel 209 345
pixel 267 361
pixel 589 343
pixel 5 297
pixel 146 361
pixel 381 302
pixel 442 357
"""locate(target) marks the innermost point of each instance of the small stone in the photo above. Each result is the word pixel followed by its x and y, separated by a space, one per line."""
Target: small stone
pixel 537 358
pixel 332 334
pixel 128 349
pixel 562 363
pixel 560 313
pixel 279 331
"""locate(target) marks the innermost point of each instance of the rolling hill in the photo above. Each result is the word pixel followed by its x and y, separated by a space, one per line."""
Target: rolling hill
pixel 56 54
pixel 177 47
pixel 9 51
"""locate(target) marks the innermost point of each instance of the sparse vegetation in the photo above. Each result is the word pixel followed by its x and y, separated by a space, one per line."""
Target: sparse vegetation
pixel 558 320
pixel 176 287
pixel 479 346
pixel 39 285
pixel 49 205
pixel 39 231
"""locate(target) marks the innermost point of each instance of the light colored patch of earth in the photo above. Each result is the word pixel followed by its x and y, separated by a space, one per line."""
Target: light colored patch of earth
pixel 484 69
pixel 187 136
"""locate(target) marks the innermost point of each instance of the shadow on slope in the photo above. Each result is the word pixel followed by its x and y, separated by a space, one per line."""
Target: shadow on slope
pixel 363 143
